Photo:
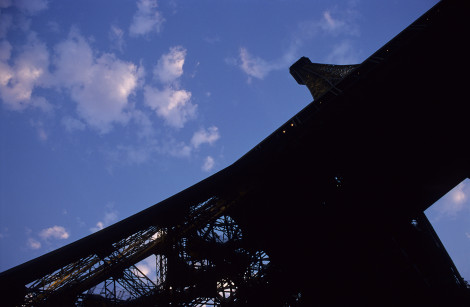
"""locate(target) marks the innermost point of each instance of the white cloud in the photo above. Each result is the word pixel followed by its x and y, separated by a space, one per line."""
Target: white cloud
pixel 335 21
pixel 458 194
pixel 33 244
pixel 99 226
pixel 331 24
pixel 182 150
pixel 110 216
pixel 147 19
pixel 144 268
pixel 29 70
pixel 101 86
pixel 343 53
pixel 147 267
pixel 177 149
pixel 259 68
pixel 147 149
pixel 56 232
pixel 74 60
pixel 253 66
pixel 204 136
pixel 116 35
pixel 170 65
pixel 173 105
pixel 208 164
pixel 455 201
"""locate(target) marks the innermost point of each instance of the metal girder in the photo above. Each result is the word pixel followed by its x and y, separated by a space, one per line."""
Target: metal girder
pixel 201 261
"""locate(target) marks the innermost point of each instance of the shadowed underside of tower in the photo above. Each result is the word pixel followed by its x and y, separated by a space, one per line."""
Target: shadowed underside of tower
pixel 327 211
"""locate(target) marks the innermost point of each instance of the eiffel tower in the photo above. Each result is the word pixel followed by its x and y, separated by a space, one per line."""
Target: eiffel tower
pixel 326 211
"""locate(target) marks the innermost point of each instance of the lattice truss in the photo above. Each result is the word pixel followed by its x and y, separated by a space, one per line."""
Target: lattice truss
pixel 319 78
pixel 200 262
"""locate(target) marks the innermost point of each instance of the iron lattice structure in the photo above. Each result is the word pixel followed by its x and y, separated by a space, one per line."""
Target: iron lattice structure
pixel 198 262
pixel 326 211
pixel 319 78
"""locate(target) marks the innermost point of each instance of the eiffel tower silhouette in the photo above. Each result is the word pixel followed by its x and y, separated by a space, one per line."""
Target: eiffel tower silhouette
pixel 326 211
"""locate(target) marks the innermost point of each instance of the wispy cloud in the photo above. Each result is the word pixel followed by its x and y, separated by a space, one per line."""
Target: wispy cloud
pixel 147 267
pixel 253 66
pixel 208 164
pixel 55 232
pixel 339 23
pixel 28 7
pixel 178 149
pixel 147 19
pixel 149 147
pixel 331 24
pixel 336 22
pixel 110 216
pixel 33 243
pixel 343 52
pixel 116 35
pixel 203 136
pixel 257 67
pixel 454 202
pixel 41 131
pixel 46 235
pixel 72 124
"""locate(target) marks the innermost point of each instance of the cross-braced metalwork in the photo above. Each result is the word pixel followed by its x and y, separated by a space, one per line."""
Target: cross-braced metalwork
pixel 319 78
pixel 208 246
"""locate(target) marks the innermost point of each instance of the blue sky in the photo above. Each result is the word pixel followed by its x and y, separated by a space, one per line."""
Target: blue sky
pixel 108 107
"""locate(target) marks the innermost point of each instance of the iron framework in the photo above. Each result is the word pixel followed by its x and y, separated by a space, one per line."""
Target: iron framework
pixel 327 210
pixel 202 261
